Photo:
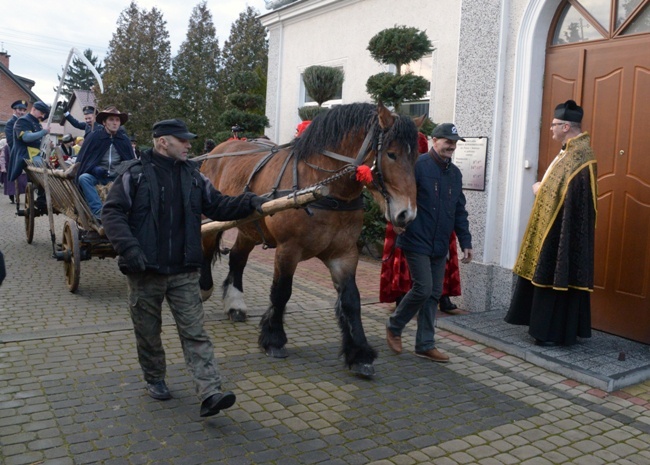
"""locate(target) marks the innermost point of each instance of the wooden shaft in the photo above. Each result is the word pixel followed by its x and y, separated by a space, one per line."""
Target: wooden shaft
pixel 301 199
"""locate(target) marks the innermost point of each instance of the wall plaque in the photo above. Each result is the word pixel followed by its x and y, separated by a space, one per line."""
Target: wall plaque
pixel 471 158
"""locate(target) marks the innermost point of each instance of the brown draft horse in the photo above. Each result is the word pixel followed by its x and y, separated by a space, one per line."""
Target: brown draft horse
pixel 329 151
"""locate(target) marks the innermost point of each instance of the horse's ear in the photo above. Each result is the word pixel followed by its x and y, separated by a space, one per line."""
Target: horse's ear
pixel 419 120
pixel 386 118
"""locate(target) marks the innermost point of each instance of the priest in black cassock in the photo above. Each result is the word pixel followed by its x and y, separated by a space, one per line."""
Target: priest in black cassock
pixel 555 267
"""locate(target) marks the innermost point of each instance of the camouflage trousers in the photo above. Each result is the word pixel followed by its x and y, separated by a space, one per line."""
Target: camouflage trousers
pixel 146 293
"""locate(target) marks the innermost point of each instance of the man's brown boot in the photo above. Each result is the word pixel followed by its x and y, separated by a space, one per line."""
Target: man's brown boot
pixel 394 342
pixel 434 355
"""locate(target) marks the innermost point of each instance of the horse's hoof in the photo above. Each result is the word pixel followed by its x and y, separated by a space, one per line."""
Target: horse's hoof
pixel 277 352
pixel 205 295
pixel 366 370
pixel 238 316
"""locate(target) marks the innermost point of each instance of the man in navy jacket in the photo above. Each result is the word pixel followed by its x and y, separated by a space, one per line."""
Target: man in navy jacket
pixel 20 109
pixel 425 242
pixel 89 124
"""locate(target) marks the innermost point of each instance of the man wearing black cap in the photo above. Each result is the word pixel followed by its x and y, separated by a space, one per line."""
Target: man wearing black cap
pixel 555 266
pixel 152 216
pixel 20 108
pixel 28 134
pixel 89 125
pixel 425 242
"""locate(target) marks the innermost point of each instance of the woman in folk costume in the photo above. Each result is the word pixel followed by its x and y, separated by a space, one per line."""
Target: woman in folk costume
pixel 555 266
pixel 395 280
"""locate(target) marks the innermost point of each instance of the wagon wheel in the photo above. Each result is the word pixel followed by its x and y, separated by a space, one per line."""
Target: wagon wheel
pixel 71 255
pixel 30 212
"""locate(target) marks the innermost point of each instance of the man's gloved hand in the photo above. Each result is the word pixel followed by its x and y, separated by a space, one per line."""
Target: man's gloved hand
pixel 99 172
pixel 62 106
pixel 132 260
pixel 257 202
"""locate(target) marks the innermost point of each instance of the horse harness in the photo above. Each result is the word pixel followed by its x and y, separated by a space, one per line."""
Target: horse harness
pixel 328 202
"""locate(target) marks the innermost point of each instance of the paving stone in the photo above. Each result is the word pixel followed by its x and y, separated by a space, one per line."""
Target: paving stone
pixel 589 460
pixel 13 449
pixel 23 459
pixel 525 452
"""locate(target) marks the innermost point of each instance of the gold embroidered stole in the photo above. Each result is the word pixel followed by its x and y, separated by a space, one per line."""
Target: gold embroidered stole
pixel 550 198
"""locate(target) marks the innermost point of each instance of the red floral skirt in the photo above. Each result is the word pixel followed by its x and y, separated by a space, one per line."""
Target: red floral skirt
pixel 395 279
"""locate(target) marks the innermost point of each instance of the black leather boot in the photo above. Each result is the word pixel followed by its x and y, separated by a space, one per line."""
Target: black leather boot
pixel 446 305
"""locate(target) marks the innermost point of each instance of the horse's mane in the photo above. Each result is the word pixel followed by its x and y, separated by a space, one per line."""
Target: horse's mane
pixel 328 130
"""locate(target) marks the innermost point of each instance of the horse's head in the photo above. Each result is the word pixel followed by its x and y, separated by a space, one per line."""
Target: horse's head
pixel 364 134
pixel 395 153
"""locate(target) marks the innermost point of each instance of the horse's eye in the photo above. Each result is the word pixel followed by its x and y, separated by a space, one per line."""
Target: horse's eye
pixel 391 155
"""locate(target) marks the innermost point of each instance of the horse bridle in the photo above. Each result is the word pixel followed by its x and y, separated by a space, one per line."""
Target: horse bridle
pixel 378 176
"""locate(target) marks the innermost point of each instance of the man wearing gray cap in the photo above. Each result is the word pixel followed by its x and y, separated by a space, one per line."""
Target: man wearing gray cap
pixel 425 242
pixel 152 216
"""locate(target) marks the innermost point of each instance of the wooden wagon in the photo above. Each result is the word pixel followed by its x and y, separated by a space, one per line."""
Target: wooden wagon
pixel 83 235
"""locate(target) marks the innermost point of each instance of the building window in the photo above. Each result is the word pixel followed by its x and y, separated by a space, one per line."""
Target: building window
pixel 418 108
pixel 424 68
pixel 588 20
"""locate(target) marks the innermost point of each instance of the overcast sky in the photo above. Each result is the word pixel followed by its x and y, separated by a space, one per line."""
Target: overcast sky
pixel 39 35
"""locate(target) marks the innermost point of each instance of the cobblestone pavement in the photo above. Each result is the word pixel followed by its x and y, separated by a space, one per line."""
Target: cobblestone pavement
pixel 71 391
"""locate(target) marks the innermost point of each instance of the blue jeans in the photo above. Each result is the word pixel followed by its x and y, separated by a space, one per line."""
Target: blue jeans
pixel 146 291
pixel 427 275
pixel 87 183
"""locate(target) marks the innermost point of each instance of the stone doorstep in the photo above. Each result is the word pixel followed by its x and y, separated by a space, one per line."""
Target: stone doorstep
pixel 600 371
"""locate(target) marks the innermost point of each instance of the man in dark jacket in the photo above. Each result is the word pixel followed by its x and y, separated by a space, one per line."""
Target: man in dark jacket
pixel 28 134
pixel 19 108
pixel 88 125
pixel 101 155
pixel 425 243
pixel 152 216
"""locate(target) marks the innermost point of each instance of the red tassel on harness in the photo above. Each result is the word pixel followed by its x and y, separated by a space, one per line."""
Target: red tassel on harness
pixel 364 174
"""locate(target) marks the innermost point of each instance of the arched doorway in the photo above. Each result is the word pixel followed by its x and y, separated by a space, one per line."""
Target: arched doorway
pixel 599 55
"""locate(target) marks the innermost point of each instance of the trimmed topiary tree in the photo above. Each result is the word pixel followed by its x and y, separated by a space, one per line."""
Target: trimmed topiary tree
pixel 245 108
pixel 398 46
pixel 309 112
pixel 321 83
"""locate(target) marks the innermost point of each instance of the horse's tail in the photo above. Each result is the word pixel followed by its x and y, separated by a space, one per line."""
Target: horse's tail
pixel 219 250
pixel 210 243
pixel 212 249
